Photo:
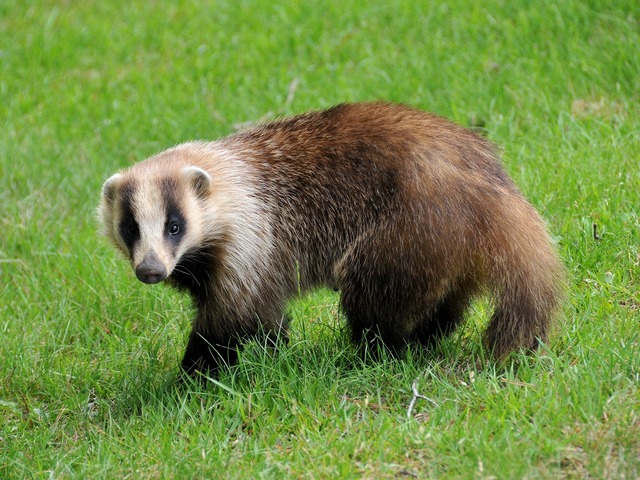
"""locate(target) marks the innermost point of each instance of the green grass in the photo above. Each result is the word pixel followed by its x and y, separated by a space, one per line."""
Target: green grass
pixel 88 355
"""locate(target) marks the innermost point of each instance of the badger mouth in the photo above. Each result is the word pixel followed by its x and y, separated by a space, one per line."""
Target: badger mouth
pixel 151 269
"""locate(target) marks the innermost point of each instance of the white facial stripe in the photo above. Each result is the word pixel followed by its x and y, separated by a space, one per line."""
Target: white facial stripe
pixel 149 211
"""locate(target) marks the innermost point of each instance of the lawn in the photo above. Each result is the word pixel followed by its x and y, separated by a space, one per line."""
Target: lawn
pixel 89 355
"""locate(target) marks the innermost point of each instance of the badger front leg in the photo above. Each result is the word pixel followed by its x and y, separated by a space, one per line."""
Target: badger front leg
pixel 207 353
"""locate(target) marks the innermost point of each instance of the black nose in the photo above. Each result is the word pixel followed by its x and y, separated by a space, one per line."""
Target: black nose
pixel 151 269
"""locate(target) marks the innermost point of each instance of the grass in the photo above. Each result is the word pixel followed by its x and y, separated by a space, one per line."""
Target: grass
pixel 89 355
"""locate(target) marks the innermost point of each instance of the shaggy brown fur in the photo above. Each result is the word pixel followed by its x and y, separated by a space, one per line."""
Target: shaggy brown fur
pixel 407 214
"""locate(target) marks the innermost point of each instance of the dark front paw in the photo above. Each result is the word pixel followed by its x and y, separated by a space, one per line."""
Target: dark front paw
pixel 205 356
pixel 199 365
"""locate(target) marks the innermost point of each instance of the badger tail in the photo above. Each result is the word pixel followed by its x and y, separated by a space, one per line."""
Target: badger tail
pixel 528 281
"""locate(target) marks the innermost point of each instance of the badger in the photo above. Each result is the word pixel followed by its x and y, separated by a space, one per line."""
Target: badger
pixel 407 215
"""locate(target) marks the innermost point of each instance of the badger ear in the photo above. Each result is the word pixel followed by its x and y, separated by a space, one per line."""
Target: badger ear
pixel 109 188
pixel 199 180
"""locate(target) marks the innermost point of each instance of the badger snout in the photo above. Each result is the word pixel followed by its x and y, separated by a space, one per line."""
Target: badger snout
pixel 151 269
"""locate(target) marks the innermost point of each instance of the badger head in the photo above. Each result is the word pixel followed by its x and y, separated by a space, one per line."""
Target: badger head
pixel 151 215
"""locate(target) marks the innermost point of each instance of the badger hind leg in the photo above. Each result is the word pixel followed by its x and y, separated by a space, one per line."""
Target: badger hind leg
pixel 381 291
pixel 447 314
pixel 371 327
pixel 374 308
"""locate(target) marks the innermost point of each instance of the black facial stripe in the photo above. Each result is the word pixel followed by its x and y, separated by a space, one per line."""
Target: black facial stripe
pixel 175 217
pixel 128 227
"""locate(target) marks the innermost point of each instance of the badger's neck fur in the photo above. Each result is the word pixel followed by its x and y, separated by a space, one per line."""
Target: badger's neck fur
pixel 234 255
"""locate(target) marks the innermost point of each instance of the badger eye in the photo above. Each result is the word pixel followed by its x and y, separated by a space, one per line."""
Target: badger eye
pixel 175 226
pixel 132 230
pixel 174 229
